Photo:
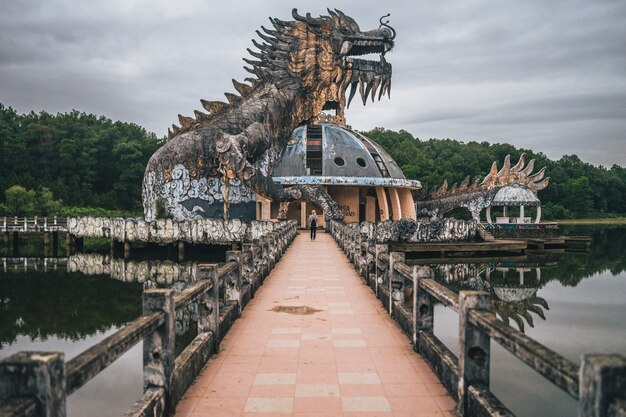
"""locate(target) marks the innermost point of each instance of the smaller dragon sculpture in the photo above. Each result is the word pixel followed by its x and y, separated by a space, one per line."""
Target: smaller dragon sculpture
pixel 479 195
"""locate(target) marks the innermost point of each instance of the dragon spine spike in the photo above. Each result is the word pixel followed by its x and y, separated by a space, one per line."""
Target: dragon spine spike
pixel 255 54
pixel 213 106
pixel 232 98
pixel 444 187
pixel 464 184
pixel 504 172
pixel 538 176
pixel 201 117
pixel 528 318
pixel 520 164
pixel 492 174
pixel 537 310
pixel 529 168
pixel 175 129
pixel 269 39
pixel 271 32
pixel 186 122
pixel 242 88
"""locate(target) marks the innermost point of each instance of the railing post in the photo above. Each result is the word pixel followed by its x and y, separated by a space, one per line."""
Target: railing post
pixel 602 382
pixel 423 309
pixel 35 374
pixel 396 281
pixel 474 355
pixel 209 303
pixel 158 348
pixel 249 274
pixel 380 249
pixel 235 256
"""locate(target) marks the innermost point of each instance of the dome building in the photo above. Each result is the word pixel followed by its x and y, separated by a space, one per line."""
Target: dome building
pixel 356 172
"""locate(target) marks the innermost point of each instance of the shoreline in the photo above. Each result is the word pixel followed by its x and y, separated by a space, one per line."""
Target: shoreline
pixel 609 220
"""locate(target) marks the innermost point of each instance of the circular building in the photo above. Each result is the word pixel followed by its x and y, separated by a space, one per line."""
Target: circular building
pixel 357 173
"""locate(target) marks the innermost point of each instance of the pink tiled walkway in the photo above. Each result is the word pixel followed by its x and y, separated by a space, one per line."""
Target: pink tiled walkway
pixel 345 357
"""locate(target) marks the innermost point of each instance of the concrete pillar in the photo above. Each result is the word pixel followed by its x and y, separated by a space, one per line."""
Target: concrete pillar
pixel 46 243
pixel 602 384
pixel 474 354
pixel 380 249
pixel 303 217
pixel 209 314
pixel 236 280
pixel 35 374
pixel 55 243
pixel 126 250
pixel 16 243
pixel 68 244
pixel 395 203
pixel 6 243
pixel 396 281
pixel 158 347
pixel 370 209
pixel 382 204
pixel 406 203
pixel 423 307
pixel 181 251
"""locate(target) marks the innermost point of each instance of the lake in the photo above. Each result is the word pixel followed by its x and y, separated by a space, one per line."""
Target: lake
pixel 573 303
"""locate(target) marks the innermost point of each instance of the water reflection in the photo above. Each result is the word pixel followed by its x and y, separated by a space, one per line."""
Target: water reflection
pixel 515 285
pixel 66 305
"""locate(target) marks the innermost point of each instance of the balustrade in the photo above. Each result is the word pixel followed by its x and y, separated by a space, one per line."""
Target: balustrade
pixel 599 383
pixel 37 383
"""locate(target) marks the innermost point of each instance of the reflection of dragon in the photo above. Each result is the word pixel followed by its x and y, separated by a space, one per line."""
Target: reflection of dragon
pixel 478 196
pixel 303 67
pixel 520 310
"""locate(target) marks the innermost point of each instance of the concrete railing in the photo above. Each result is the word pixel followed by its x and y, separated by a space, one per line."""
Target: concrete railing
pixel 33 224
pixel 599 383
pixel 37 383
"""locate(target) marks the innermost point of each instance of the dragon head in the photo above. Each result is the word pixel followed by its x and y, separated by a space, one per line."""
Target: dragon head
pixel 321 54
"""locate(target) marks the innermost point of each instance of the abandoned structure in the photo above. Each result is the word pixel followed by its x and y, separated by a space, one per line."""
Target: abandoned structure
pixel 216 163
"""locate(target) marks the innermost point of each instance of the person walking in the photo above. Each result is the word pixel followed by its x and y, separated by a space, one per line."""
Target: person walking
pixel 313 224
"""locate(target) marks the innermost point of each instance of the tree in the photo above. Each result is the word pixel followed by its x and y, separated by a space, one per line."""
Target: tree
pixel 19 200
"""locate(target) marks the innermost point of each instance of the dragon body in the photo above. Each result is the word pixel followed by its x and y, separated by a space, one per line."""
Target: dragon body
pixel 479 196
pixel 224 156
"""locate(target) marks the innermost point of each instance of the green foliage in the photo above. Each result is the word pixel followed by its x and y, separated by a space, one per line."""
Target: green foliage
pixel 577 189
pixel 161 212
pixel 83 159
pixel 95 212
pixel 19 200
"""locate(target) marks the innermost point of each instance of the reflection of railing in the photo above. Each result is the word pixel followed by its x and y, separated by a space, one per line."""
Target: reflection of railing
pixel 32 264
pixel 37 383
pixel 599 383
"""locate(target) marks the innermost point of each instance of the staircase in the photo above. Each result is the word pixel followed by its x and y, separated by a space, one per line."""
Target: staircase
pixel 484 233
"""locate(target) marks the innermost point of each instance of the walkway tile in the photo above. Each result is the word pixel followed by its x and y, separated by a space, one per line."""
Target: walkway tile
pixel 314 341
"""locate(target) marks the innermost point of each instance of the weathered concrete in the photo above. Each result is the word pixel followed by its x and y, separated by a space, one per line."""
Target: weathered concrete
pixel 475 352
pixel 35 374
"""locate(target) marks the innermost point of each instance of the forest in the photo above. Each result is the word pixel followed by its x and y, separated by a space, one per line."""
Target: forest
pixel 81 164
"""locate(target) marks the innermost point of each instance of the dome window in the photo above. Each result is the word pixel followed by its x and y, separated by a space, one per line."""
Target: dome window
pixel 339 161
pixel 361 162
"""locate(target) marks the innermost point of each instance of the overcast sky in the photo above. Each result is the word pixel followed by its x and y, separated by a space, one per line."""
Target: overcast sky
pixel 545 75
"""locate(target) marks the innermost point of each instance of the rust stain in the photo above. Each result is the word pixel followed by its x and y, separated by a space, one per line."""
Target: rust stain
pixel 298 310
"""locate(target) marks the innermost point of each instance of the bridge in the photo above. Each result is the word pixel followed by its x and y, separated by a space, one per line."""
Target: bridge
pixel 330 332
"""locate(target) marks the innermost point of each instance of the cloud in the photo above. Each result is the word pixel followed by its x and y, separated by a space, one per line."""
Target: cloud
pixel 543 75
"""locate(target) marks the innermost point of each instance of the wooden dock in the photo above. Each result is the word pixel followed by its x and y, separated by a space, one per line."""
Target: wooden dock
pixel 460 249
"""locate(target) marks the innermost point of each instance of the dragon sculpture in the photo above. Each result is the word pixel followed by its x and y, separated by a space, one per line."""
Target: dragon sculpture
pixel 302 67
pixel 478 196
